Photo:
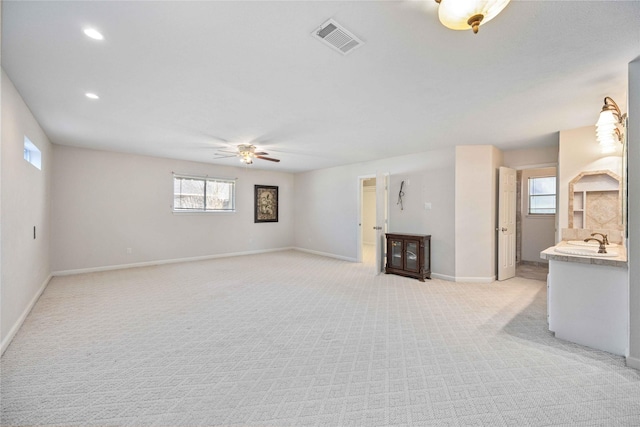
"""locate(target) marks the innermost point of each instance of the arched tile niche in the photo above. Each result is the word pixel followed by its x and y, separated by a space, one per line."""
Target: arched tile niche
pixel 595 201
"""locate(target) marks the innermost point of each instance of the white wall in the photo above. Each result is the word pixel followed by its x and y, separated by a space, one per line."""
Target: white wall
pixel 538 231
pixel 476 169
pixel 634 213
pixel 2 337
pixel 531 157
pixel 326 205
pixel 579 152
pixel 25 199
pixel 105 202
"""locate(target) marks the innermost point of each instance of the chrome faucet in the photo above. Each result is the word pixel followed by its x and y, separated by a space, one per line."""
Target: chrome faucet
pixel 602 249
pixel 605 239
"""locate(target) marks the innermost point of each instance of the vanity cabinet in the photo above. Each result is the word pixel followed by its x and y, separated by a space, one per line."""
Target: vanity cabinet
pixel 588 298
pixel 409 255
pixel 588 305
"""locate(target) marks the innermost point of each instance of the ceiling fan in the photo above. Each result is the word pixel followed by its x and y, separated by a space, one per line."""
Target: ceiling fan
pixel 246 153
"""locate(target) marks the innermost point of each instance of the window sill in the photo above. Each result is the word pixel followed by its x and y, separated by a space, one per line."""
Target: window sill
pixel 203 212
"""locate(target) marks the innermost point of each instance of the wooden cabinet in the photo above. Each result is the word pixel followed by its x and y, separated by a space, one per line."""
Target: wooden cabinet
pixel 409 255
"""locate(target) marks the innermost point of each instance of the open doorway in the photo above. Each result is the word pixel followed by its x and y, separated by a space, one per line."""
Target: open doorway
pixel 368 221
pixel 535 220
pixel 373 214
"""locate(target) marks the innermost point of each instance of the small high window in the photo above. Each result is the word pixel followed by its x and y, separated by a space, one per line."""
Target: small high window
pixel 203 194
pixel 542 195
pixel 32 154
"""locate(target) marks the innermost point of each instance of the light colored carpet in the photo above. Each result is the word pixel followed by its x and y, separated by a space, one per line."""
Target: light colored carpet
pixel 293 339
pixel 535 271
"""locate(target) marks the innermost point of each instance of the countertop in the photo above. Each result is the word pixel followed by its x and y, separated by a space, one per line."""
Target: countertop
pixel 618 261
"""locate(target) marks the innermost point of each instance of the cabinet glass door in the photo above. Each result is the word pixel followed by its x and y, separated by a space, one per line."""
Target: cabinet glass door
pixel 427 254
pixel 411 254
pixel 396 253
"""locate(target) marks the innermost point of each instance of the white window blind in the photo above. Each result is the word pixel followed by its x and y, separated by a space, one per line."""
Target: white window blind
pixel 542 195
pixel 203 194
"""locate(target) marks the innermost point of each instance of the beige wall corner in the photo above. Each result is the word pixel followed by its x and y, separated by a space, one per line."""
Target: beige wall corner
pixel 476 211
pixel 26 200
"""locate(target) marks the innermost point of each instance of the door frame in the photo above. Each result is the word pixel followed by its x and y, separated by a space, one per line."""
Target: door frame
pixel 382 219
pixel 520 201
pixel 361 178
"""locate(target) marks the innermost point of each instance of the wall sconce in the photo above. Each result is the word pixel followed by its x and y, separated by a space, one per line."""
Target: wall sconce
pixel 609 125
pixel 468 14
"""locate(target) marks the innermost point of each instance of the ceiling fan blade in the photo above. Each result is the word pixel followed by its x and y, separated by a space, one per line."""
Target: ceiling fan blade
pixel 261 153
pixel 268 158
pixel 223 157
pixel 226 151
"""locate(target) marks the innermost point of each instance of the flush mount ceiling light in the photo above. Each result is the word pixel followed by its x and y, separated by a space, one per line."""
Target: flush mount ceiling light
pixel 91 95
pixel 468 14
pixel 611 123
pixel 93 33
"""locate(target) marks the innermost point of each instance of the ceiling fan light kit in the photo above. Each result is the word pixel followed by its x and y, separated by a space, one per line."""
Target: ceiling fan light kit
pixel 247 152
pixel 468 14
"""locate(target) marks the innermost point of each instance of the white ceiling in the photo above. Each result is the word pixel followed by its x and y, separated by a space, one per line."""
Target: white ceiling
pixel 178 79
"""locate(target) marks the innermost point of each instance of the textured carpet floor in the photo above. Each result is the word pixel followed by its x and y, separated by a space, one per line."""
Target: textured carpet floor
pixel 293 339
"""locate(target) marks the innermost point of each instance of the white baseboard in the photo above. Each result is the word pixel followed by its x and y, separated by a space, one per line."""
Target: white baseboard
pixel 476 279
pixel 344 258
pixel 633 362
pixel 164 261
pixel 443 277
pixel 14 330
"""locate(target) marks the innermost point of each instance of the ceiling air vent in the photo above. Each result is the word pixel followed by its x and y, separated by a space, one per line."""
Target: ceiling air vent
pixel 336 37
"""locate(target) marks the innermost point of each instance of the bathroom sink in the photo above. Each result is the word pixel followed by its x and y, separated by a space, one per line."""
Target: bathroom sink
pixel 584 251
pixel 590 243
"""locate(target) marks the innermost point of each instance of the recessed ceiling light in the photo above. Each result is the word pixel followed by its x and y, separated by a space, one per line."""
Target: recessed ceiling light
pixel 93 33
pixel 91 95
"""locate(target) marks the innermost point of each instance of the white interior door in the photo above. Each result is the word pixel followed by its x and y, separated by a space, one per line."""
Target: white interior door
pixel 382 223
pixel 506 223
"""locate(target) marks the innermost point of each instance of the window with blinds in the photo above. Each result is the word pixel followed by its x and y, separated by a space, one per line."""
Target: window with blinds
pixel 203 194
pixel 542 195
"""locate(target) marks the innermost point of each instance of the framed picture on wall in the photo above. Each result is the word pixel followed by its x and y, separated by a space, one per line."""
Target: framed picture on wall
pixel 266 203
